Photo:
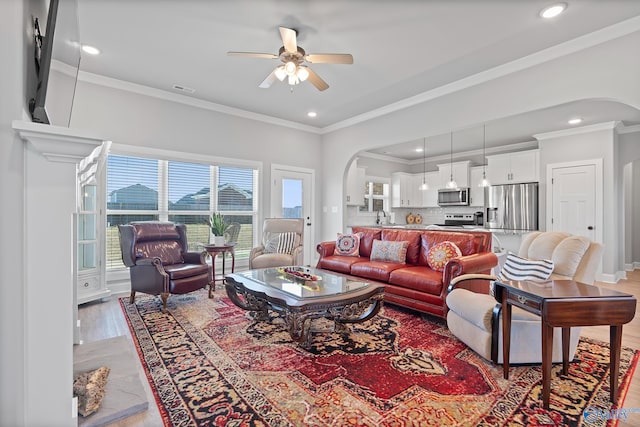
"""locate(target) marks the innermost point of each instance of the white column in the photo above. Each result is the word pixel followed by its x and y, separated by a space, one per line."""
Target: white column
pixel 51 157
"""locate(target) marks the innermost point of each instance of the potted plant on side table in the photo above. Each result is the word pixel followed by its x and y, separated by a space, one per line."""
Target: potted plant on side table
pixel 218 227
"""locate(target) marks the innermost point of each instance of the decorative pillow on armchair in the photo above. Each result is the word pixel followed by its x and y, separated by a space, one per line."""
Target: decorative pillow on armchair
pixel 517 268
pixel 348 244
pixel 283 243
pixel 389 250
pixel 440 254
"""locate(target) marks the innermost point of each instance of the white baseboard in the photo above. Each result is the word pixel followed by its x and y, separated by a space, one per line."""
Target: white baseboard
pixel 120 287
pixel 611 278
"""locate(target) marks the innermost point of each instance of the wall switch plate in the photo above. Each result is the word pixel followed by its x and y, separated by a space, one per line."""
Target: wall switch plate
pixel 334 209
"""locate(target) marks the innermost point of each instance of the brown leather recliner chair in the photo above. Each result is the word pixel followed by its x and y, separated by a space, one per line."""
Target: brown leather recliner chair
pixel 158 260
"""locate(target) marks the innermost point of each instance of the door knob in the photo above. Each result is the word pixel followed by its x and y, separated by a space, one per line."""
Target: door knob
pixel 590 227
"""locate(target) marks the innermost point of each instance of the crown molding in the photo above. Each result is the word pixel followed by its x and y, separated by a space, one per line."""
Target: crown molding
pixel 622 129
pixel 577 131
pixel 110 82
pixel 384 157
pixel 519 146
pixel 586 41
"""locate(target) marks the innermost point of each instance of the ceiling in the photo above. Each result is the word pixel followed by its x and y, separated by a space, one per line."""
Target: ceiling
pixel 401 48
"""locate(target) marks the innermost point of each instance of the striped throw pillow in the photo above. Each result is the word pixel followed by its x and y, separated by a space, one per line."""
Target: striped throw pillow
pixel 283 243
pixel 517 268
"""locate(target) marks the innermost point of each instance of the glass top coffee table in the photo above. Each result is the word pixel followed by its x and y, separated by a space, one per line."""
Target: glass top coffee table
pixel 304 293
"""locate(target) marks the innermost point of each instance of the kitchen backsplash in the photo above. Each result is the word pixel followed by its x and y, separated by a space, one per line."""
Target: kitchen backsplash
pixel 429 215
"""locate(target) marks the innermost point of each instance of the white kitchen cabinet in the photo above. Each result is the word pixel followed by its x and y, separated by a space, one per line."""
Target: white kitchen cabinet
pixel 460 173
pixel 355 185
pixel 513 168
pixel 476 193
pixel 405 192
pixel 430 196
pixel 396 190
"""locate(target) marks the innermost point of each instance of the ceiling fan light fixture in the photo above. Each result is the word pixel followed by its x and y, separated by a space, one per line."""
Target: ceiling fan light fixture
pixel 290 68
pixel 303 73
pixel 293 80
pixel 280 73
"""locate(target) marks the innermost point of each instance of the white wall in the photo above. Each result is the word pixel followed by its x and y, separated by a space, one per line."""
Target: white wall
pixel 594 144
pixel 148 121
pixel 15 18
pixel 629 155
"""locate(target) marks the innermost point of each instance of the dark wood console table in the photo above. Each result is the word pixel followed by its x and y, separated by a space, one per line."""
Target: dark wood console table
pixel 564 304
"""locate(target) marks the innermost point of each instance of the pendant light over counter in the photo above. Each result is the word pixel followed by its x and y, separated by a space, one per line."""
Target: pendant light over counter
pixel 424 186
pixel 485 181
pixel 451 183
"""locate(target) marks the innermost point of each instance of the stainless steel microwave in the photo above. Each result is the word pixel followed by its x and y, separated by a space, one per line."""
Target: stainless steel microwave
pixel 453 197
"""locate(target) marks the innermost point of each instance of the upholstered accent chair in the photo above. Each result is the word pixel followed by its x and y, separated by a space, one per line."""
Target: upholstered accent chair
pixel 476 319
pixel 281 244
pixel 159 261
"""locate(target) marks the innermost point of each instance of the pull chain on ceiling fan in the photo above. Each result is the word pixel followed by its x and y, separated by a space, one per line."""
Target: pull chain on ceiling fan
pixel 293 58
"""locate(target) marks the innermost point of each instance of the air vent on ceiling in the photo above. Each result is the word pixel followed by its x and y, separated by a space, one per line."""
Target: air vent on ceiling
pixel 183 89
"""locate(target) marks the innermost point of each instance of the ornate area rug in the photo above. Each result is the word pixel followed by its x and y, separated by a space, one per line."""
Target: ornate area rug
pixel 210 364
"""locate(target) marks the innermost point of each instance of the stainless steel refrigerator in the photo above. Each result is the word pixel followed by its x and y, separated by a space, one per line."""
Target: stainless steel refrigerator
pixel 512 206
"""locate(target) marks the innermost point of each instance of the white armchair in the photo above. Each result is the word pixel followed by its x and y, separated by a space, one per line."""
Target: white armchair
pixel 282 244
pixel 476 318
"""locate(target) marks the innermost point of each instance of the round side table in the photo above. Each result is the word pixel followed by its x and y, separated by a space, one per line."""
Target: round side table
pixel 214 250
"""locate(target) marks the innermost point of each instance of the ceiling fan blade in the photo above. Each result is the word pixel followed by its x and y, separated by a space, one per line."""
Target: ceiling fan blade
pixel 289 39
pixel 316 80
pixel 253 55
pixel 330 58
pixel 266 83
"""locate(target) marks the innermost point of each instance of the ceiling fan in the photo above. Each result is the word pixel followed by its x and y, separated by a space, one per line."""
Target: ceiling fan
pixel 293 58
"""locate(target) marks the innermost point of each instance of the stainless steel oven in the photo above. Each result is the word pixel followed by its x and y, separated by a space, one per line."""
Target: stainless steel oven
pixel 453 197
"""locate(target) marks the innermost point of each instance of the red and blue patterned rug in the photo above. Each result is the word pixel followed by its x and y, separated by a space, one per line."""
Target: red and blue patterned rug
pixel 209 364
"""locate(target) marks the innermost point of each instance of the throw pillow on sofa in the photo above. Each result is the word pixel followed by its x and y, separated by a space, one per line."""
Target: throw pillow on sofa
pixel 518 268
pixel 348 244
pixel 440 254
pixel 389 250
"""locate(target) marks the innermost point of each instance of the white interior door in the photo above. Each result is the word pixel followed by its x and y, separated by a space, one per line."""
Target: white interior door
pixel 292 197
pixel 573 200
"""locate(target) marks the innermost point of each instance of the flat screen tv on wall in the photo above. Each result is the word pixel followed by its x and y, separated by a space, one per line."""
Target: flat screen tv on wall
pixel 57 61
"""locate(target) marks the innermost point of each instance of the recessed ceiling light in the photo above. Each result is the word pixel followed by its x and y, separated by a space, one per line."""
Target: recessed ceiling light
pixel 553 10
pixel 90 49
pixel 575 121
pixel 418 150
pixel 312 114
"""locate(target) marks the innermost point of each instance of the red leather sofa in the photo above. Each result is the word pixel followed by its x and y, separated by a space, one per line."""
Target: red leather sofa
pixel 414 284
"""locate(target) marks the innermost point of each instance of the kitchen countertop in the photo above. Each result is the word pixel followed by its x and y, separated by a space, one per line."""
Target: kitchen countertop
pixel 444 227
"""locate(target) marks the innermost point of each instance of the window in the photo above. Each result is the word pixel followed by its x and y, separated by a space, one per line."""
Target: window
pixel 142 189
pixel 376 195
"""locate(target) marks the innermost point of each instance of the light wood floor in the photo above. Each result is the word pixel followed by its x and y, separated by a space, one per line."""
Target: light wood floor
pixel 101 320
